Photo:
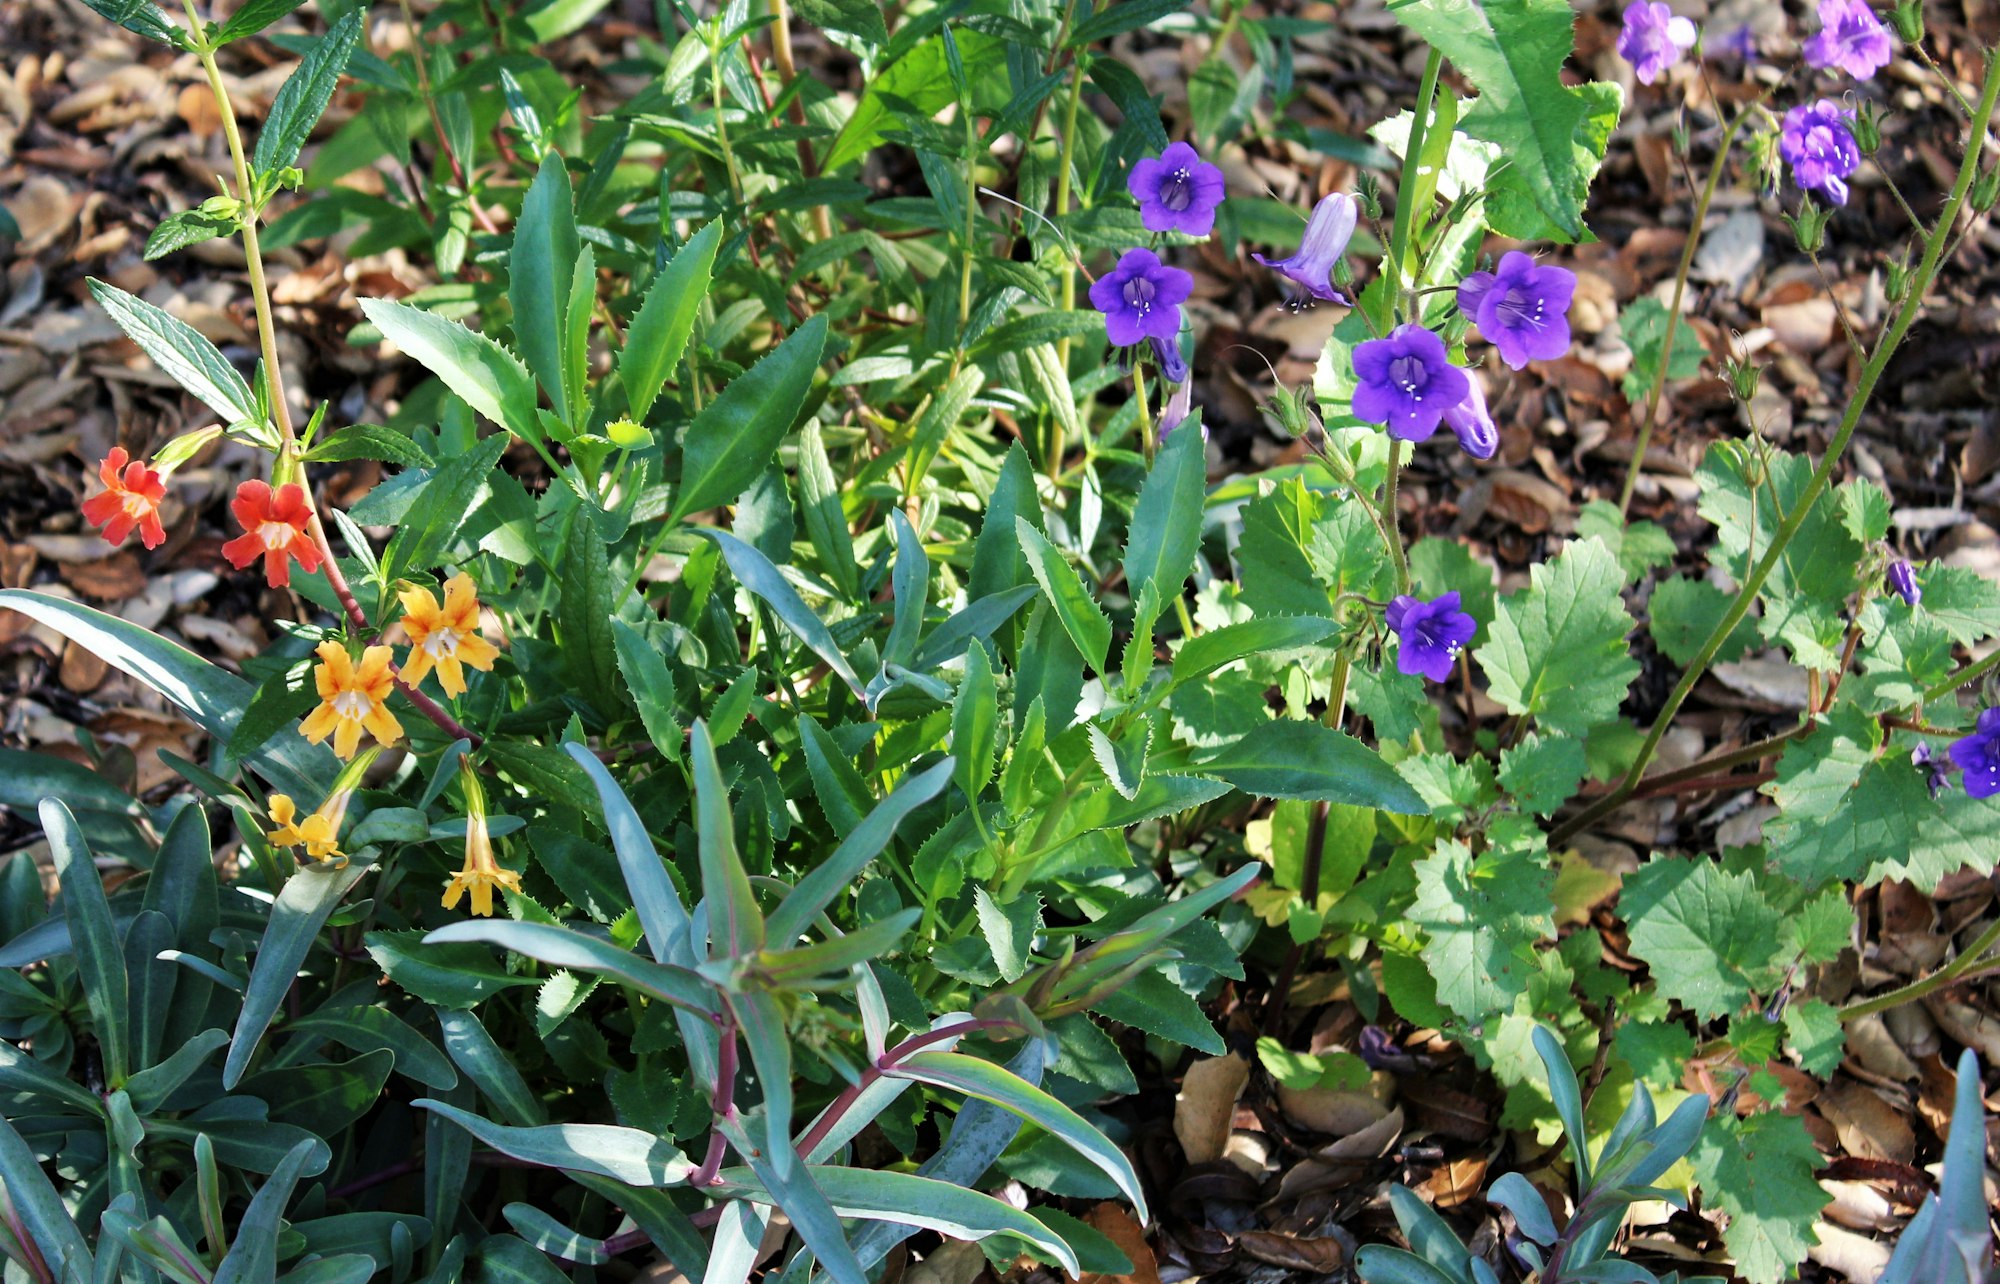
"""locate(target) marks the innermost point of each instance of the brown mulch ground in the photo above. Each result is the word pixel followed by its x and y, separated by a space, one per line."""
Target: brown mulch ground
pixel 100 138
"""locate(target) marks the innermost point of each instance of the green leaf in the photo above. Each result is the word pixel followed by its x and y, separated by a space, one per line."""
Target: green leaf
pixel 910 584
pixel 1643 326
pixel 369 441
pixel 253 1253
pixel 1816 1031
pixel 1682 613
pixel 1117 19
pixel 1202 655
pixel 560 947
pixel 1558 649
pixel 1447 565
pixel 1513 52
pixel 652 687
pixel 984 1081
pixel 302 99
pixel 252 18
pixel 326 1097
pixel 144 17
pixel 657 902
pixel 1639 547
pixel 369 1029
pixel 996 555
pixel 826 519
pixel 754 572
pixel 1966 602
pixel 1710 937
pixel 452 977
pixel 1151 1002
pixel 870 838
pixel 1291 758
pixel 861 18
pixel 1760 1172
pixel 181 351
pixel 309 897
pixel 916 82
pixel 1166 525
pixel 975 723
pixel 100 961
pixel 658 335
pixel 624 1155
pixel 583 612
pixel 1543 773
pixel 1747 490
pixel 491 1069
pixel 477 370
pixel 736 925
pixel 23 1074
pixel 1009 931
pixel 541 270
pixel 1081 618
pixel 1484 917
pixel 734 436
pixel 189 227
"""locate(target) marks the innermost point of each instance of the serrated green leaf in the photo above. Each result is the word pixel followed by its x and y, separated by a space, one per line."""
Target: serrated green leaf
pixel 1643 327
pixel 1558 651
pixel 1484 917
pixel 303 97
pixel 1543 773
pixel 1288 758
pixel 1078 612
pixel 659 332
pixel 1710 937
pixel 1683 613
pixel 735 435
pixel 182 352
pixel 583 612
pixel 1760 1172
pixel 1816 1032
pixel 541 271
pixel 1166 524
pixel 477 370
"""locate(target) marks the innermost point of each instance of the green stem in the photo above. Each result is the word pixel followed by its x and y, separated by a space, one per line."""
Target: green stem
pixel 1967 960
pixel 1715 171
pixel 1066 160
pixel 1964 677
pixel 1406 192
pixel 1871 374
pixel 1391 524
pixel 721 125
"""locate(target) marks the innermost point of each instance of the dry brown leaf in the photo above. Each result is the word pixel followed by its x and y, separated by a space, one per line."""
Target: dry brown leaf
pixel 1293 1253
pixel 1115 1224
pixel 81 671
pixel 1869 1127
pixel 1206 1104
pixel 953 1262
pixel 1455 1181
pixel 1334 1111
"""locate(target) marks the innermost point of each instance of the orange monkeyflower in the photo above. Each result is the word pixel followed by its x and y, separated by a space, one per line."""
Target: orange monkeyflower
pixel 318 833
pixel 131 498
pixel 482 873
pixel 352 698
pixel 445 636
pixel 274 528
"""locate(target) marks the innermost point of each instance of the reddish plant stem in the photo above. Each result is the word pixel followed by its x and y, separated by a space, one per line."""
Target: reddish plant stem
pixel 888 1061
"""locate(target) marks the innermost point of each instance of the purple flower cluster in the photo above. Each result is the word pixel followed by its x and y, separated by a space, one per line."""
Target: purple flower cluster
pixel 1653 38
pixel 1818 144
pixel 1430 634
pixel 1850 38
pixel 1978 756
pixel 1178 192
pixel 1522 309
pixel 1407 382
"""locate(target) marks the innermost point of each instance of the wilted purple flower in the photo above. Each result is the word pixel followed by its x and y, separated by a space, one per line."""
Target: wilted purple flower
pixel 1432 634
pixel 1978 756
pixel 1925 757
pixel 1653 39
pixel 1740 44
pixel 1522 309
pixel 1167 356
pixel 1406 381
pixel 1902 579
pixel 1819 146
pixel 1178 405
pixel 1851 38
pixel 1325 240
pixel 1141 298
pixel 1178 192
pixel 1472 422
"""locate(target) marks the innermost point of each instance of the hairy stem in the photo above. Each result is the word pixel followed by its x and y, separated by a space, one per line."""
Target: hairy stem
pixel 1871 374
pixel 1968 959
pixel 1066 161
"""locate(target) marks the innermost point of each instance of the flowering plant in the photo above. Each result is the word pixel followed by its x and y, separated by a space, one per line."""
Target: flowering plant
pixel 794 730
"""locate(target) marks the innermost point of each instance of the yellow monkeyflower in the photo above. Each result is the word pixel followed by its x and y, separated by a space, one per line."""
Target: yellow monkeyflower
pixel 318 833
pixel 482 873
pixel 445 636
pixel 352 698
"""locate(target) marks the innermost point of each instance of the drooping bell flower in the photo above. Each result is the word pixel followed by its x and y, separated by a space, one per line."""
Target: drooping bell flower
pixel 1167 356
pixel 1406 382
pixel 1522 309
pixel 1472 423
pixel 1325 240
pixel 1179 192
pixel 1141 298
pixel 130 500
pixel 1978 756
pixel 1817 142
pixel 1175 410
pixel 1937 772
pixel 1851 38
pixel 274 528
pixel 352 698
pixel 446 636
pixel 1653 38
pixel 1902 579
pixel 481 873
pixel 1429 634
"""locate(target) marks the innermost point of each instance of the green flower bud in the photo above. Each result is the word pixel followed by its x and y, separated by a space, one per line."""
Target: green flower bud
pixel 1866 128
pixel 1743 376
pixel 1908 20
pixel 1809 227
pixel 1986 190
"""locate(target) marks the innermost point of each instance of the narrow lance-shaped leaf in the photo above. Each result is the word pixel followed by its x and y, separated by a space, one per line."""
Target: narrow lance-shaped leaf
pixel 817 889
pixel 478 371
pixel 100 963
pixel 1166 525
pixel 626 1155
pixel 540 272
pixel 725 885
pixel 755 572
pixel 561 947
pixel 253 1253
pixel 303 97
pixel 181 351
pixel 659 333
pixel 734 436
pixel 302 908
pixel 910 582
pixel 1075 608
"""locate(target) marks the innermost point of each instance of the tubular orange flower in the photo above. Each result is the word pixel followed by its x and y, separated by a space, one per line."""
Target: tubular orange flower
pixel 318 833
pixel 482 873
pixel 131 498
pixel 274 528
pixel 445 636
pixel 352 698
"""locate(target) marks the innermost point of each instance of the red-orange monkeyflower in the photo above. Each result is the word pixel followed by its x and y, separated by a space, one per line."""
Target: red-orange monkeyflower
pixel 131 498
pixel 274 528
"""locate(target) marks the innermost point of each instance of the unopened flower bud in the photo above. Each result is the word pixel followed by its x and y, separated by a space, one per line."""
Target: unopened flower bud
pixel 1908 20
pixel 1744 376
pixel 1680 135
pixel 1896 284
pixel 1809 227
pixel 1370 195
pixel 1866 126
pixel 1986 190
